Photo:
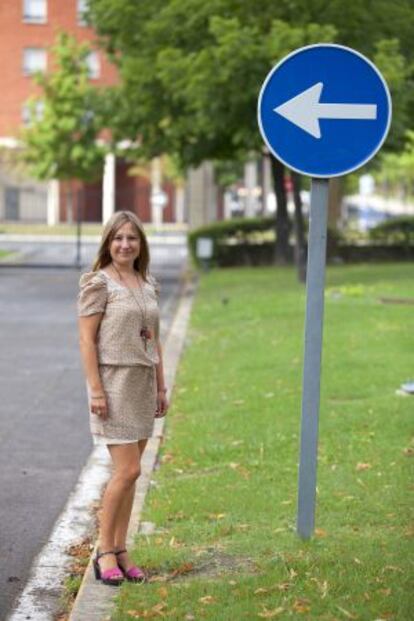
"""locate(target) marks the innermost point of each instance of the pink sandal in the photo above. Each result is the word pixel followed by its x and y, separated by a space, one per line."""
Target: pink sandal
pixel 112 576
pixel 134 573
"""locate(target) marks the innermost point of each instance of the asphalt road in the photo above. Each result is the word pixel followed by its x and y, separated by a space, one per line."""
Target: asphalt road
pixel 44 426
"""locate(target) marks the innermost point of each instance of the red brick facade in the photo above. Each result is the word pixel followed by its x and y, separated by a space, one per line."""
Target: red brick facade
pixel 17 34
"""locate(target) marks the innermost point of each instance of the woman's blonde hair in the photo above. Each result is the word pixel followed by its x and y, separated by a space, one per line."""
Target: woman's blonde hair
pixel 118 219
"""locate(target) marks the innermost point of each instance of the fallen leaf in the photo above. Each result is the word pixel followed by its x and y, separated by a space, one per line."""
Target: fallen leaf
pixel 292 573
pixel 409 451
pixel 320 532
pixel 357 561
pixel 185 568
pixel 260 591
pixel 207 599
pixel 362 466
pixel 167 457
pixel 216 516
pixel 163 591
pixel 301 605
pixel 392 568
pixel 283 586
pixel 385 592
pixel 270 614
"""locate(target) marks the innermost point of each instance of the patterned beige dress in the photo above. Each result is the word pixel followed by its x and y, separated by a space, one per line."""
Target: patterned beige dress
pixel 126 369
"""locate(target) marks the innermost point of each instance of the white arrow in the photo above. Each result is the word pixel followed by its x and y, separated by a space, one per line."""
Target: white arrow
pixel 304 110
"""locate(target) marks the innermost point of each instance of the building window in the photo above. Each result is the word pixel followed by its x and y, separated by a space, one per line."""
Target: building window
pixel 94 65
pixel 82 12
pixel 32 112
pixel 35 11
pixel 34 59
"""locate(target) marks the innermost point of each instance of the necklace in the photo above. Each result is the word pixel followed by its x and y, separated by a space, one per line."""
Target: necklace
pixel 145 333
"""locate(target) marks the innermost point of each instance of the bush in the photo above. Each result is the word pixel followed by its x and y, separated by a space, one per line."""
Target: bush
pixel 239 231
pixel 247 241
pixel 394 231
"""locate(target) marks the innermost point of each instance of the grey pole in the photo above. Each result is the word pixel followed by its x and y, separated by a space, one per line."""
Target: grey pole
pixel 312 357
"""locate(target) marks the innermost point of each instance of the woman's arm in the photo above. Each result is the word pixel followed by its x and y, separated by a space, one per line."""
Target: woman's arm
pixel 162 402
pixel 160 369
pixel 88 330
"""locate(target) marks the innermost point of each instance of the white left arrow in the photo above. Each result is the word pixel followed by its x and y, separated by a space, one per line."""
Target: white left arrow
pixel 304 110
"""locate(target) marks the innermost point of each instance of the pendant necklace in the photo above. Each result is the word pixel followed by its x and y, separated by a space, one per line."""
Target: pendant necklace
pixel 145 333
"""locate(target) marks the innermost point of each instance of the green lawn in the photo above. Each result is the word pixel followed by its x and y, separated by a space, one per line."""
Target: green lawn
pixel 224 501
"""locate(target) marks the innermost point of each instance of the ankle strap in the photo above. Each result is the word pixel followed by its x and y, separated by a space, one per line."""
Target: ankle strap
pixel 99 554
pixel 120 551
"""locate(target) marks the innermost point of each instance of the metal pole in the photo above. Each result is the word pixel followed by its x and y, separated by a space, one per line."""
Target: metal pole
pixel 312 356
pixel 79 208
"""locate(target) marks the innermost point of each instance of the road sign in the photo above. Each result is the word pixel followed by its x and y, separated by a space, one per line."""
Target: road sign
pixel 324 110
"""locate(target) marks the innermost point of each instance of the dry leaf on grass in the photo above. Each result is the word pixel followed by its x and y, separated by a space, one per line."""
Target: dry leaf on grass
pixel 216 516
pixel 185 568
pixel 363 466
pixel 320 532
pixel 301 605
pixel 207 599
pixel 270 614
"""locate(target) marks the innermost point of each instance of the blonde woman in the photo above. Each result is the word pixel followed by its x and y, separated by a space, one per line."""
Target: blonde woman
pixel 122 358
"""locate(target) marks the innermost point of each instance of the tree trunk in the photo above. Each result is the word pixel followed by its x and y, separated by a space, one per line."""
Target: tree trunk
pixel 282 224
pixel 300 246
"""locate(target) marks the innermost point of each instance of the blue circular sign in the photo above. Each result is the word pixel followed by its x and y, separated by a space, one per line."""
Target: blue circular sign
pixel 324 110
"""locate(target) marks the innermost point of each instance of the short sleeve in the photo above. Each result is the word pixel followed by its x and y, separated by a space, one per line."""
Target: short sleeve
pixel 155 284
pixel 93 294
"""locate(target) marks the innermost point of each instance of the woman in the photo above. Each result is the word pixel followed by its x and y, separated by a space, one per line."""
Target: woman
pixel 122 359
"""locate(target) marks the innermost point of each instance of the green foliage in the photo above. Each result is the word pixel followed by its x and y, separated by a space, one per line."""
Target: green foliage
pixel 395 231
pixel 238 230
pixel 63 143
pixel 192 70
pixel 397 169
pixel 399 75
pixel 226 234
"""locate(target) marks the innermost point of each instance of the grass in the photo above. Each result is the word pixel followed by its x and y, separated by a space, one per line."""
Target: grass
pixel 224 500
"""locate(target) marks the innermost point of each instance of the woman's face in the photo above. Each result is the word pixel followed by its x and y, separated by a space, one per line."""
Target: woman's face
pixel 125 246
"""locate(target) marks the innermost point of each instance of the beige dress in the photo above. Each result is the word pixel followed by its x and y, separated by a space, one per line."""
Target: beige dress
pixel 126 368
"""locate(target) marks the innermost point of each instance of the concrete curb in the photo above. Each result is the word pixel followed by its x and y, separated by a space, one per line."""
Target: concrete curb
pixel 95 599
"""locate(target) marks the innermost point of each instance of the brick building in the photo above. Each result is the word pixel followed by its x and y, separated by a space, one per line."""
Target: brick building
pixel 27 30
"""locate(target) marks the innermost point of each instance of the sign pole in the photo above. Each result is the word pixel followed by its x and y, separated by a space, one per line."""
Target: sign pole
pixel 315 280
pixel 324 111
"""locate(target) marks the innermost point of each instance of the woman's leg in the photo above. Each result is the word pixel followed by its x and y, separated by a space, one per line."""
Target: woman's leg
pixel 124 515
pixel 126 460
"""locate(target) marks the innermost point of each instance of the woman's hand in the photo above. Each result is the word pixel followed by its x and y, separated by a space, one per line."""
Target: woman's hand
pixel 99 406
pixel 162 404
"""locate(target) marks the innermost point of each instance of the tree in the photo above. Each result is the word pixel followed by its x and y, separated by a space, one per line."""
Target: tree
pixel 63 143
pixel 191 70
